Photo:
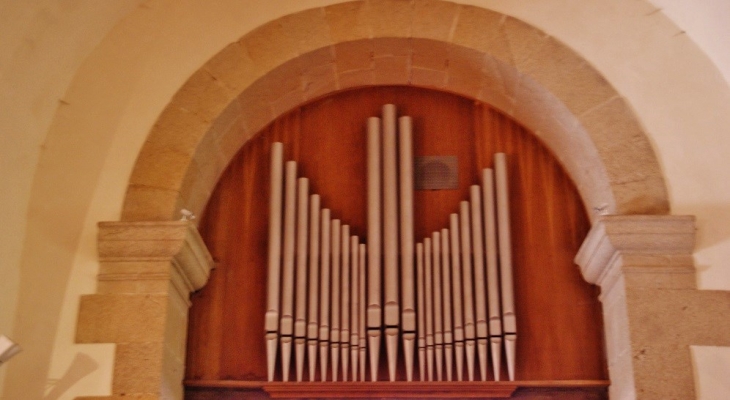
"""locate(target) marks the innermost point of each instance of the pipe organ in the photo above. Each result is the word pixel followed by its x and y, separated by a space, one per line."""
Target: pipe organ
pixel 443 302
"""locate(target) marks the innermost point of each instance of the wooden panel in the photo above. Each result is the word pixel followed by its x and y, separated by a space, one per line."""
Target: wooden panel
pixel 559 316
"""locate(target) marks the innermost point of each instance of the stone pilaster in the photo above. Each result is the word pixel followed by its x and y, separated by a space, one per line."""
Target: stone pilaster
pixel 652 309
pixel 147 272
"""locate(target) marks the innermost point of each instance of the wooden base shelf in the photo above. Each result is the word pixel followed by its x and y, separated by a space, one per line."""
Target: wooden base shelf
pixel 421 390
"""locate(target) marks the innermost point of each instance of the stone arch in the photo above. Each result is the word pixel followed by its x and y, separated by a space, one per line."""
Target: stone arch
pixel 642 262
pixel 463 49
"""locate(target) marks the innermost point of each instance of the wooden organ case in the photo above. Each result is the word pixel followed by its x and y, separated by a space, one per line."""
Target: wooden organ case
pixel 560 351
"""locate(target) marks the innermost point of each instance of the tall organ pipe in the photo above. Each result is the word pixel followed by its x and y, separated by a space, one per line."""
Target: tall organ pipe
pixel 336 231
pixel 420 274
pixel 286 328
pixel 457 299
pixel 495 320
pixel 447 301
pixel 324 300
pixel 300 321
pixel 390 237
pixel 480 286
pixel 505 258
pixel 354 305
pixel 312 314
pixel 438 335
pixel 271 324
pixel 345 290
pixel 374 237
pixel 361 312
pixel 405 173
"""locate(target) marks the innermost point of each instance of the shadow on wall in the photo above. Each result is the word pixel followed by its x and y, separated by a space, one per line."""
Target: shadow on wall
pixel 713 223
pixel 81 366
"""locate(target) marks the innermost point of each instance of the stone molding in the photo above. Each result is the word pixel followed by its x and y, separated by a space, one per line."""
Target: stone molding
pixel 467 50
pixel 148 270
pixel 658 244
pixel 652 310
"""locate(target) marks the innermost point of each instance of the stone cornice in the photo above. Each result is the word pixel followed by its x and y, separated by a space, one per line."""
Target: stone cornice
pixel 615 236
pixel 175 241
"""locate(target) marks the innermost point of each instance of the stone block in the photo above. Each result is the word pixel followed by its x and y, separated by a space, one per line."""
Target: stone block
pixel 348 21
pixel 310 28
pixel 142 286
pixel 679 317
pixel 354 56
pixel 270 45
pixel 429 54
pixel 230 143
pixel 428 78
pixel 629 159
pixel 318 81
pixel 482 30
pixel 233 67
pixel 143 203
pixel 121 318
pixel 434 19
pixel 287 102
pixel 358 78
pixel 563 72
pixel 662 372
pixel 160 166
pixel 138 368
pixel 179 129
pixel 223 123
pixel 256 110
pixel 389 46
pixel 392 70
pixel 203 95
pixel 142 231
pixel 466 71
pixel 390 18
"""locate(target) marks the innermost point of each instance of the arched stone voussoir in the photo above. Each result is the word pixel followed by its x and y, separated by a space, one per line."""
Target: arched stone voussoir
pixel 471 51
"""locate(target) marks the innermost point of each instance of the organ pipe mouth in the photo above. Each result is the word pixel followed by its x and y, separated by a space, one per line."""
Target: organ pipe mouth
pixel 331 290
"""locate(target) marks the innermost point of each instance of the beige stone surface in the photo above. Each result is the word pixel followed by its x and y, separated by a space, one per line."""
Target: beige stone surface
pixel 138 368
pixel 316 82
pixel 429 54
pixel 270 45
pixel 466 70
pixel 354 55
pixel 256 108
pixel 233 67
pixel 630 161
pixel 484 31
pixel 434 19
pixel 180 128
pixel 348 21
pixel 358 78
pixel 428 78
pixel 142 203
pixel 390 18
pixel 203 95
pixel 392 70
pixel 309 28
pixel 160 166
pixel 679 316
pixel 121 318
pixel 663 372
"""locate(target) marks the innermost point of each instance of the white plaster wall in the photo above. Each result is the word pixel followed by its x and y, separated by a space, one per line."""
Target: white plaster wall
pixel 117 64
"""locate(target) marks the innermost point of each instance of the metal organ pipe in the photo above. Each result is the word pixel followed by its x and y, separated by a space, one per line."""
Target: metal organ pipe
pixel 271 320
pixel 329 297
